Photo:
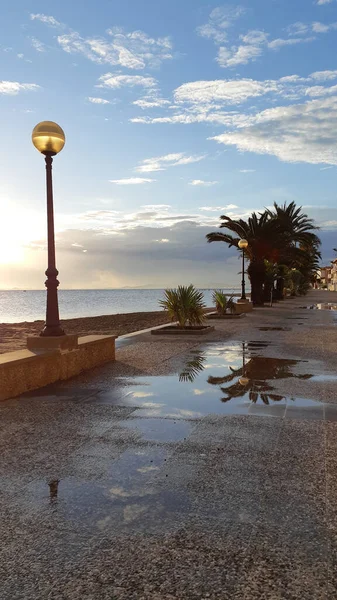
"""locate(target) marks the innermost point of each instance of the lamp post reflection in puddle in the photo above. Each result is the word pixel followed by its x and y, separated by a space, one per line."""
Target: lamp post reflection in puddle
pixel 53 489
pixel 243 379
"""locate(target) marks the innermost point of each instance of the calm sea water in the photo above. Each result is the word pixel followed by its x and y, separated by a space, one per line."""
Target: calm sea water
pixel 17 306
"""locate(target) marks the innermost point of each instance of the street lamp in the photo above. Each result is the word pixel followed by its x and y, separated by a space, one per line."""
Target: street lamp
pixel 49 139
pixel 243 244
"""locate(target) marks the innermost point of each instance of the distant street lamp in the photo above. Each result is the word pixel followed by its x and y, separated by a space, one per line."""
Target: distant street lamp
pixel 49 139
pixel 243 244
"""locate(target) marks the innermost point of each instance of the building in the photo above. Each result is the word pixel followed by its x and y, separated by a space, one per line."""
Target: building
pixel 324 275
pixel 333 279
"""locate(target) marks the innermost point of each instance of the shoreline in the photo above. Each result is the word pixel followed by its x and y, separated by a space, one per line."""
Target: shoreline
pixel 13 335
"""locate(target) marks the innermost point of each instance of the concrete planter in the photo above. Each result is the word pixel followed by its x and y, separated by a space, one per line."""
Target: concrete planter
pixel 175 330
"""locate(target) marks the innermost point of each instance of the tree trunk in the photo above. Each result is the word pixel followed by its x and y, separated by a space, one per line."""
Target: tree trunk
pixel 279 294
pixel 256 272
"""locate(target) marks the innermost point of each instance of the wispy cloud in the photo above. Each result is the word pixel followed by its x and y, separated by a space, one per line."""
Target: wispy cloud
pixel 218 208
pixel 280 42
pixel 12 88
pixel 131 181
pixel 320 2
pixel 220 20
pixel 98 100
pixel 48 20
pixel 247 170
pixel 134 50
pixel 161 163
pixel 202 182
pixel 109 80
pixel 39 46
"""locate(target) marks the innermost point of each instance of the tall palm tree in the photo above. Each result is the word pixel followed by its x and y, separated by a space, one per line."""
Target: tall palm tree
pixel 300 248
pixel 264 242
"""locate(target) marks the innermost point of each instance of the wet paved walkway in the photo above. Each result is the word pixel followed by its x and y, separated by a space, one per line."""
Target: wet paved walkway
pixel 186 470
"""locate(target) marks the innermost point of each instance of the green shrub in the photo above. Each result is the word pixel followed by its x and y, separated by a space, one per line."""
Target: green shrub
pixel 220 301
pixel 185 305
pixel 231 304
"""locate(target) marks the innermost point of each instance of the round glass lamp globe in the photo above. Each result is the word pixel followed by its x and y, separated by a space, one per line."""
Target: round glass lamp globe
pixel 244 381
pixel 243 244
pixel 48 138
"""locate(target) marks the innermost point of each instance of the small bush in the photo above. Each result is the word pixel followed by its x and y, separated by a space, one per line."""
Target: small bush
pixel 185 305
pixel 220 300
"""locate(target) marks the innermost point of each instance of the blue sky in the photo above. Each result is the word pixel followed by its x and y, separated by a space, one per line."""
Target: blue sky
pixel 174 113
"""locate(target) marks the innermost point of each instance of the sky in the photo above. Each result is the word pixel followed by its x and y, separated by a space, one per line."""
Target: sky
pixel 174 114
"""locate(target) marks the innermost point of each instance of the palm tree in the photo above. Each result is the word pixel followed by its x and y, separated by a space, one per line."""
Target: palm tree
pixel 262 234
pixel 300 248
pixel 283 237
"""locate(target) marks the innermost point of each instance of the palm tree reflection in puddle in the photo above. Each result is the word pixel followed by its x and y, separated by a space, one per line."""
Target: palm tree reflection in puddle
pixel 252 378
pixel 193 368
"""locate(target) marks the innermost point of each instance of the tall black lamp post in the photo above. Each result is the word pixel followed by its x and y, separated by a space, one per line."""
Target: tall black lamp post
pixel 49 139
pixel 243 244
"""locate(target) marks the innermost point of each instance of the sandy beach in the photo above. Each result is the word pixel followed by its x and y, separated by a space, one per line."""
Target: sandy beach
pixel 13 335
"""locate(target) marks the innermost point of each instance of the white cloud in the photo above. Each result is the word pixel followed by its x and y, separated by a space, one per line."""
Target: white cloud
pixel 48 20
pixel 218 208
pixel 231 91
pixel 321 2
pixel 161 163
pixel 220 19
pixel 250 49
pixel 109 80
pixel 131 181
pixel 247 170
pixel 297 28
pixel 209 101
pixel 151 102
pixel 135 50
pixel 237 56
pixel 297 133
pixel 279 42
pixel 202 182
pixel 11 88
pixel 39 46
pixel 98 100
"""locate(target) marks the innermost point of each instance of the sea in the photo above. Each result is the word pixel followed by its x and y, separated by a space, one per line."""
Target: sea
pixel 17 306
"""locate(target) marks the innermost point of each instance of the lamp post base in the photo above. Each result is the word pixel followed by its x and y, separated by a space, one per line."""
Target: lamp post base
pixel 52 331
pixel 61 342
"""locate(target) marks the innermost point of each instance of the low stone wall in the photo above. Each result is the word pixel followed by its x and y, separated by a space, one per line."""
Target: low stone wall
pixel 27 370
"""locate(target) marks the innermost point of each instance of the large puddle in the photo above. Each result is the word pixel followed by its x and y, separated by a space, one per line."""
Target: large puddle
pixel 234 379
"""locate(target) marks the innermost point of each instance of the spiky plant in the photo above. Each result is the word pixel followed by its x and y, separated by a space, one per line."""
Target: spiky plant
pixel 231 304
pixel 220 300
pixel 185 305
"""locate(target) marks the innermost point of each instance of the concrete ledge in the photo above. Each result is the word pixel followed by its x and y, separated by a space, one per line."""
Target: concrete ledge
pixel 243 307
pixel 27 370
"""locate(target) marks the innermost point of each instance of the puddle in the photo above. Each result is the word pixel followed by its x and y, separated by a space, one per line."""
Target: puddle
pixel 233 378
pixel 324 378
pixel 127 496
pixel 159 430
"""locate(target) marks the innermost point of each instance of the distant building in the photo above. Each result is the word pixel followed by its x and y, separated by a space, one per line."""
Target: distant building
pixel 333 276
pixel 324 276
